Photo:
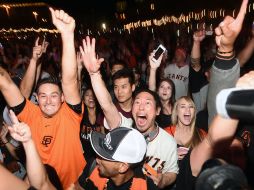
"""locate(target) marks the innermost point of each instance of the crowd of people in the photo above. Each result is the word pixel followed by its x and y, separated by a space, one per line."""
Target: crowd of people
pixel 103 114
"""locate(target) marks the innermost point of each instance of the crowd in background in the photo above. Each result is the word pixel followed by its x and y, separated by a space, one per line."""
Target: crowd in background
pixel 116 80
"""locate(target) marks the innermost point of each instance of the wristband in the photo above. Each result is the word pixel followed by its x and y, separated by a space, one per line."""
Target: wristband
pixel 5 142
pixel 225 57
pixel 223 52
pixel 95 73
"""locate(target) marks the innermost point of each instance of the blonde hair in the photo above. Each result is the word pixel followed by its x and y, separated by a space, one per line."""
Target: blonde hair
pixel 196 137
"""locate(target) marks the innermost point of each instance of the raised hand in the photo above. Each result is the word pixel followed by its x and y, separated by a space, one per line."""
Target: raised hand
pixel 154 64
pixel 199 36
pixel 229 28
pixel 19 131
pixel 44 46
pixel 37 50
pixel 90 60
pixel 62 21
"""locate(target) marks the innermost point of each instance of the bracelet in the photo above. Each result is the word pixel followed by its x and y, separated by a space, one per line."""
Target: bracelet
pixel 225 57
pixel 223 52
pixel 95 73
pixel 5 142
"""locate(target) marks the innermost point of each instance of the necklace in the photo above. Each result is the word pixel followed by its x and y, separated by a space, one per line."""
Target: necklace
pixel 152 135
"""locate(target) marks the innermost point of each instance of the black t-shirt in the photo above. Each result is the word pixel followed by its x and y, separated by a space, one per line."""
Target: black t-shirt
pixel 163 120
pixel 185 180
pixel 19 108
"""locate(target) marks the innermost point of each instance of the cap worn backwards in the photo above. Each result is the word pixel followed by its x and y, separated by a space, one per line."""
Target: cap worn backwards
pixel 121 144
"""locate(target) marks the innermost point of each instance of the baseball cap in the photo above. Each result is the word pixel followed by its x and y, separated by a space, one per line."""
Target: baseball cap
pixel 121 144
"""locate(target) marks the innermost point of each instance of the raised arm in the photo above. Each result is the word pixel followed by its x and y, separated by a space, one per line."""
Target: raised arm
pixel 36 172
pixel 154 65
pixel 198 37
pixel 226 69
pixel 220 133
pixel 38 69
pixel 245 54
pixel 92 64
pixel 28 80
pixel 9 90
pixel 10 181
pixel 221 130
pixel 66 25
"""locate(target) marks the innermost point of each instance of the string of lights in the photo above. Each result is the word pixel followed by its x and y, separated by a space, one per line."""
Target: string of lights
pixel 187 18
pixel 52 31
pixel 14 5
pixel 183 18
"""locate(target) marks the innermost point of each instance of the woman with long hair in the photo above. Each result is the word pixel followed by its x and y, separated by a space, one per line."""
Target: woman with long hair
pixel 165 90
pixel 183 127
pixel 89 121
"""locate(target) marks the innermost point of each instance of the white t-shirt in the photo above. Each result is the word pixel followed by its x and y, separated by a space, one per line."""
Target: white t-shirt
pixel 162 152
pixel 125 122
pixel 180 77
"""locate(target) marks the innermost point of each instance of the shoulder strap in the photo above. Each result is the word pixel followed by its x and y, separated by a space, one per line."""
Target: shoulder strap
pixel 92 166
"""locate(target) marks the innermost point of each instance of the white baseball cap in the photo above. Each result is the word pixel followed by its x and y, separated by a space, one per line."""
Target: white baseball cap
pixel 122 144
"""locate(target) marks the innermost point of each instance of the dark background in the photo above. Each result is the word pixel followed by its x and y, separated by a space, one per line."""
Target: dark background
pixel 90 14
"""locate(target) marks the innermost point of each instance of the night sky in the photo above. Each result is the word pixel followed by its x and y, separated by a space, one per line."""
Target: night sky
pixel 93 12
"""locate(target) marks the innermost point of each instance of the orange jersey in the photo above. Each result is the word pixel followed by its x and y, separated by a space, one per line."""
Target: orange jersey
pixel 57 140
pixel 100 182
pixel 171 130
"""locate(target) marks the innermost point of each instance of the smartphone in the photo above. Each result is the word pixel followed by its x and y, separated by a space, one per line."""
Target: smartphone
pixel 158 52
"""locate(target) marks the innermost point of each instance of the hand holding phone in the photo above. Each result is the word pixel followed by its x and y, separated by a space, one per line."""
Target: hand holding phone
pixel 158 52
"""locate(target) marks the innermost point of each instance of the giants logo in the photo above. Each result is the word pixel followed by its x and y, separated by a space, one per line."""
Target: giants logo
pixel 155 162
pixel 177 77
pixel 107 141
pixel 46 140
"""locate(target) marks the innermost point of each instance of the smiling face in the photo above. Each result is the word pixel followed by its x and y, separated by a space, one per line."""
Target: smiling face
pixel 50 99
pixel 89 98
pixel 185 111
pixel 123 89
pixel 144 112
pixel 165 91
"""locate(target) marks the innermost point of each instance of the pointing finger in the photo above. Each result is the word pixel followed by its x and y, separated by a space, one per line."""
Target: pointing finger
pixel 13 117
pixel 37 41
pixel 52 14
pixel 241 14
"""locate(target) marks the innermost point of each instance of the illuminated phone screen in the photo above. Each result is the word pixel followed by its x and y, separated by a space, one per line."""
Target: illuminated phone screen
pixel 158 53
